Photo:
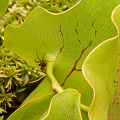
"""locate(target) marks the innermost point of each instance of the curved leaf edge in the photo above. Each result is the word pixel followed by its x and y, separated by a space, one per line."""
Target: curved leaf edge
pixel 44 10
pixel 5 32
pixel 28 103
pixel 1 13
pixel 60 93
pixel 94 50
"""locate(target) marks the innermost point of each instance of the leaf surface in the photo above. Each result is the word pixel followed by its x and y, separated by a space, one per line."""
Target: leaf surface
pixel 43 88
pixel 100 69
pixel 33 110
pixel 3 6
pixel 65 106
pixel 115 107
pixel 114 111
pixel 69 36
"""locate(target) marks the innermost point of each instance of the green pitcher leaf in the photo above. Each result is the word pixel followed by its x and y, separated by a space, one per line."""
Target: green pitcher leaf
pixel 69 36
pixel 100 69
pixel 33 110
pixel 65 106
pixel 43 88
pixel 115 107
pixel 114 112
pixel 3 6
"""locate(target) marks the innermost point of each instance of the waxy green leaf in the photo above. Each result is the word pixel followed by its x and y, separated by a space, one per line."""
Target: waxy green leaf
pixel 115 107
pixel 68 36
pixel 43 88
pixel 100 69
pixel 114 111
pixel 3 6
pixel 33 110
pixel 65 106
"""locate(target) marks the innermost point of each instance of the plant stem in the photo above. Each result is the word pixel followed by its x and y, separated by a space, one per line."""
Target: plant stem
pixel 55 84
pixel 84 107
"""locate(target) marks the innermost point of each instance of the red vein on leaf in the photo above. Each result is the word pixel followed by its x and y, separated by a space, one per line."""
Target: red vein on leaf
pixel 76 31
pixel 79 41
pixel 92 24
pixel 61 31
pixel 62 39
pixel 61 49
pixel 77 24
pixel 44 43
pixel 74 67
pixel 95 33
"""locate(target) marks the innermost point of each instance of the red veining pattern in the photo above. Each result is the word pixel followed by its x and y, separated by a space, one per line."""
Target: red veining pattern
pixel 92 24
pixel 95 33
pixel 74 67
pixel 76 31
pixel 62 39
pixel 61 32
pixel 61 49
pixel 79 40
